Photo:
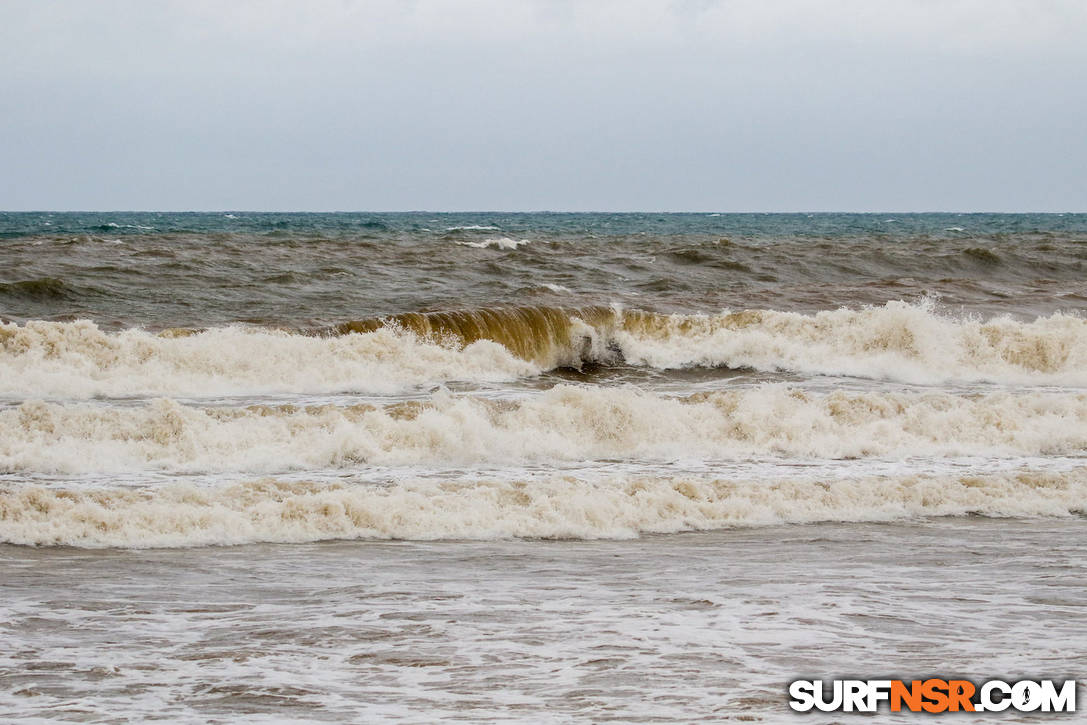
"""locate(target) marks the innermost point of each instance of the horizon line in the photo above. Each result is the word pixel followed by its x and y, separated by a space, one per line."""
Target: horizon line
pixel 506 211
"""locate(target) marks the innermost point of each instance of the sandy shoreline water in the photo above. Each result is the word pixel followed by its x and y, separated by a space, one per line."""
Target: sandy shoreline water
pixel 659 629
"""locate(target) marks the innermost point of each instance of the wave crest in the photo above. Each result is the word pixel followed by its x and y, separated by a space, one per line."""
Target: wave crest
pixel 79 360
pixel 547 336
pixel 910 343
pixel 557 508
pixel 898 341
pixel 565 423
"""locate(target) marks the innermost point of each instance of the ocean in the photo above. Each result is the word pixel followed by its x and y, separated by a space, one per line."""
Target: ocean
pixel 534 467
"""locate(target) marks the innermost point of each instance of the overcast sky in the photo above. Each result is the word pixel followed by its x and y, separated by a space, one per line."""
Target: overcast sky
pixel 711 105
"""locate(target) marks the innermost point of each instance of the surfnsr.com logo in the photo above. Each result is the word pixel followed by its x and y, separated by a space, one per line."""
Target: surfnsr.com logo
pixel 933 695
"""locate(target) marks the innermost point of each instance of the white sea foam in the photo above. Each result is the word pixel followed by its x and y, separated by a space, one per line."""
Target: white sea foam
pixel 269 510
pixel 898 341
pixel 566 423
pixel 497 243
pixel 79 360
pixel 472 228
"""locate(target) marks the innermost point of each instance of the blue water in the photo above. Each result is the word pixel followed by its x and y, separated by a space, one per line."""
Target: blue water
pixel 814 225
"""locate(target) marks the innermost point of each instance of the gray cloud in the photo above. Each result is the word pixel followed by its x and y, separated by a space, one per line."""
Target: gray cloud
pixel 969 105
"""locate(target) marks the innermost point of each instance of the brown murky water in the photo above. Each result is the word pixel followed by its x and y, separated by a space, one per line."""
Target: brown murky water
pixel 533 467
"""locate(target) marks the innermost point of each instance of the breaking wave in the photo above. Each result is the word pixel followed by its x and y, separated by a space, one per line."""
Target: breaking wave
pixel 79 360
pixel 565 423
pixel 497 243
pixel 267 510
pixel 910 343
pixel 897 341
